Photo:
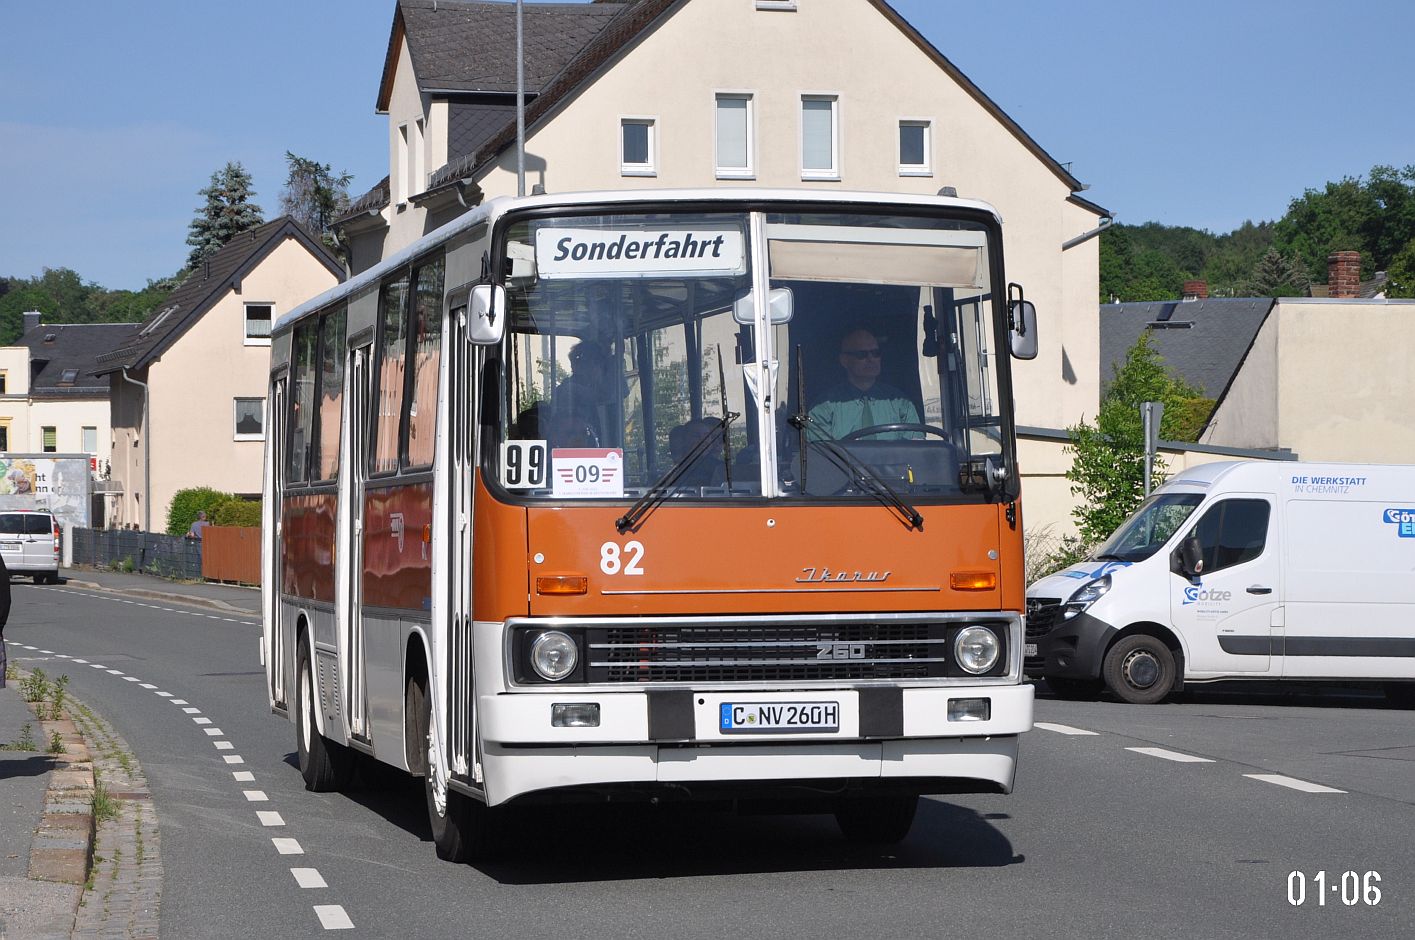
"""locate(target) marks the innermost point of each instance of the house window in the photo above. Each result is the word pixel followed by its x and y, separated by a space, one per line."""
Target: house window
pixel 734 136
pixel 776 5
pixel 915 146
pixel 4 386
pixel 637 146
pixel 4 436
pixel 820 145
pixel 49 440
pixel 258 320
pixel 90 440
pixel 68 377
pixel 250 419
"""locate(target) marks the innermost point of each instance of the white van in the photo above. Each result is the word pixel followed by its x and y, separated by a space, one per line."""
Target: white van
pixel 1240 570
pixel 30 544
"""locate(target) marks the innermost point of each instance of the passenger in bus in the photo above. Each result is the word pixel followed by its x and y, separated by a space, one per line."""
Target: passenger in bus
pixel 862 400
pixel 587 395
pixel 709 468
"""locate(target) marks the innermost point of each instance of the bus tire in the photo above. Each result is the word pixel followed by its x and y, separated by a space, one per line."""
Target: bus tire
pixel 876 820
pixel 463 829
pixel 326 766
pixel 1140 670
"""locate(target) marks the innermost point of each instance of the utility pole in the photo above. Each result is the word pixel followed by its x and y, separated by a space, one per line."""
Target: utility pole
pixel 520 104
pixel 1150 414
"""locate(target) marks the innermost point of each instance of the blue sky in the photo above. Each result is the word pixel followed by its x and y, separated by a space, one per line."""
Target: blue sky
pixel 1203 113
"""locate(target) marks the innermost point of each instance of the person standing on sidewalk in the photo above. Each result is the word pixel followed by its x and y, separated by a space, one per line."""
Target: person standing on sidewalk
pixel 4 616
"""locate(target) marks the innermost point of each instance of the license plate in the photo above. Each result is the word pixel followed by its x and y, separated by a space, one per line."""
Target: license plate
pixel 778 717
pixel 1030 649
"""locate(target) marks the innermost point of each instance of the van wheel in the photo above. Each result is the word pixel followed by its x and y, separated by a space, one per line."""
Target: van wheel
pixel 878 820
pixel 1140 670
pixel 463 829
pixel 325 765
pixel 1073 690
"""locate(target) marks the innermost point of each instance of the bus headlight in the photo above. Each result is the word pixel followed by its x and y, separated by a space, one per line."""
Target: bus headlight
pixel 976 649
pixel 554 655
pixel 1086 595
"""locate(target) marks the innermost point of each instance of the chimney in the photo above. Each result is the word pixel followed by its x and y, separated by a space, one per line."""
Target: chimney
pixel 1196 290
pixel 1344 274
pixel 31 319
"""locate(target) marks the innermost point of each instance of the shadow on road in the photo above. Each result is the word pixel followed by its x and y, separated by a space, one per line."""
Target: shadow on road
pixel 31 766
pixel 589 843
pixel 1293 693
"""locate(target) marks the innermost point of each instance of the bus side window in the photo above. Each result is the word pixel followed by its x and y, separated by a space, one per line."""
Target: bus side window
pixel 302 381
pixel 325 464
pixel 390 375
pixel 427 353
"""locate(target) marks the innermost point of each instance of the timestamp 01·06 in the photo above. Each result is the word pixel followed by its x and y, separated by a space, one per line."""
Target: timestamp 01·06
pixel 1351 887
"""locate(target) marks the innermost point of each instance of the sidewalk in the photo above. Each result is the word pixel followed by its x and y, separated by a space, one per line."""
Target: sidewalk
pixel 226 597
pixel 28 908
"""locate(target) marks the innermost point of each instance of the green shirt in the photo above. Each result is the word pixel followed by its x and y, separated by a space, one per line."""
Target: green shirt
pixel 848 409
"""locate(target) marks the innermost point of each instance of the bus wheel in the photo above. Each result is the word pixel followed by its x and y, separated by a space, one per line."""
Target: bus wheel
pixel 463 829
pixel 324 765
pixel 881 820
pixel 1140 670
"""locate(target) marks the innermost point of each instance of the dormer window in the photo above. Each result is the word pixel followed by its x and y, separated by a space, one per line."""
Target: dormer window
pixel 156 321
pixel 69 377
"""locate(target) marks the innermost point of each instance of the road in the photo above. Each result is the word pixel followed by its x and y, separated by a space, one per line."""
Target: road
pixel 1185 837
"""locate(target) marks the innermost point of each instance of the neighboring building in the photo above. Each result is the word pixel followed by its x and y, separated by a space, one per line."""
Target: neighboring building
pixel 50 402
pixel 834 94
pixel 1202 340
pixel 188 384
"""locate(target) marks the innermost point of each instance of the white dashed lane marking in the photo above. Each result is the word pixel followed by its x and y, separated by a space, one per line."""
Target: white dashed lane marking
pixel 234 759
pixel 308 878
pixel 268 818
pixel 243 776
pixel 256 796
pixel 1293 783
pixel 332 917
pixel 1062 729
pixel 288 846
pixel 1175 756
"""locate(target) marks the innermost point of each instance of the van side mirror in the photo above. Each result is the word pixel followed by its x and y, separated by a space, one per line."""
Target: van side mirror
pixel 487 314
pixel 780 307
pixel 1188 560
pixel 1023 317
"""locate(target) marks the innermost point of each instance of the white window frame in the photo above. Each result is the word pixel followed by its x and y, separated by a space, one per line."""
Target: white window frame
pixel 639 169
pixel 83 435
pixel 400 180
pixel 833 172
pixel 748 172
pixel 250 340
pixel 919 169
pixel 235 417
pixel 788 5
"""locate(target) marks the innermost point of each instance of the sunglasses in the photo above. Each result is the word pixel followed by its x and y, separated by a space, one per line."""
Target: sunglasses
pixel 862 354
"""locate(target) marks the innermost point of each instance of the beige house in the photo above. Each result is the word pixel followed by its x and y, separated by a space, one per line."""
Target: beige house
pixel 189 383
pixel 834 94
pixel 50 401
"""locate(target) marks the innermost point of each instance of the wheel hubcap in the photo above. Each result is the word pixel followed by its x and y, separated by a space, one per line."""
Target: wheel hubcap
pixel 1142 670
pixel 307 707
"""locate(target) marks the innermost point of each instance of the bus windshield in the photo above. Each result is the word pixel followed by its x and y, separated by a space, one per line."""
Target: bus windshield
pixel 640 354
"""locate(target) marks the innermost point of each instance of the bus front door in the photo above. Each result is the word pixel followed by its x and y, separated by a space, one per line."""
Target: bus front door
pixel 360 393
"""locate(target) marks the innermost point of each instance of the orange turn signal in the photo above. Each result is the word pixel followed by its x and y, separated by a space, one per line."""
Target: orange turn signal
pixel 973 581
pixel 427 532
pixel 563 584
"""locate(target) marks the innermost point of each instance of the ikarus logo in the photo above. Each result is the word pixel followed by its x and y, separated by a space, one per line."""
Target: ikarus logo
pixel 1198 594
pixel 1403 520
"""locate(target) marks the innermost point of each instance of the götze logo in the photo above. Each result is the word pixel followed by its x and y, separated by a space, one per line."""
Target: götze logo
pixel 1403 520
pixel 1198 594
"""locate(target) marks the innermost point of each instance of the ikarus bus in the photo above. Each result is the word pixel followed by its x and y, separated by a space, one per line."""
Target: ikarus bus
pixel 679 495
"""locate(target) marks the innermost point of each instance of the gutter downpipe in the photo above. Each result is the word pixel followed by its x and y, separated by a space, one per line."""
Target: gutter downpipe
pixel 146 452
pixel 1106 223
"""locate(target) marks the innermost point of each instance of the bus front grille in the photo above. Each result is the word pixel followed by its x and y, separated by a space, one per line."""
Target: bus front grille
pixel 768 653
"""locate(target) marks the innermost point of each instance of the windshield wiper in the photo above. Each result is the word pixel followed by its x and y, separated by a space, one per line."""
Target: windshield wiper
pixel 659 491
pixel 860 472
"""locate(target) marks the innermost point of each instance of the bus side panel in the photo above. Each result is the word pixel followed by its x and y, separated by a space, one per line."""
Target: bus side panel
pixel 307 527
pixel 500 583
pixel 385 639
pixel 397 561
pixel 1011 574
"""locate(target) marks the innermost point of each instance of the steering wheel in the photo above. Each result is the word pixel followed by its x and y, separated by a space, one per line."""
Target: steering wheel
pixel 874 429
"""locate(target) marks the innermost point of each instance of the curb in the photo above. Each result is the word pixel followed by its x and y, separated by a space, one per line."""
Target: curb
pixel 168 596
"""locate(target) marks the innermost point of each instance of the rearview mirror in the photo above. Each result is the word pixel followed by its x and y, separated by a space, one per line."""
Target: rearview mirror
pixel 1188 559
pixel 780 307
pixel 1024 329
pixel 487 314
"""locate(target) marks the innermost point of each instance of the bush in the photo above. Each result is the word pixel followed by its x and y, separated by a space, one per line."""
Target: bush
pixel 237 512
pixel 187 503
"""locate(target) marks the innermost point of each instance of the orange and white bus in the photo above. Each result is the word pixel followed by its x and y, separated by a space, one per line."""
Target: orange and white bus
pixel 680 494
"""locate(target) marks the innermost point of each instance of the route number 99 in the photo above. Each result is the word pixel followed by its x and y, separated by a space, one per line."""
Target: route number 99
pixel 628 560
pixel 524 464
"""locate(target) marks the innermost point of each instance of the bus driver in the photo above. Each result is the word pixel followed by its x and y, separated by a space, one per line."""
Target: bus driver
pixel 862 400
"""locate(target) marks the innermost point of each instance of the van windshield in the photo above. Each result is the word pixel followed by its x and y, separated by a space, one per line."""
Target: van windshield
pixel 1146 532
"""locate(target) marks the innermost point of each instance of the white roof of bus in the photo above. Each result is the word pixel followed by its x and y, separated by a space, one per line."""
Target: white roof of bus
pixel 493 208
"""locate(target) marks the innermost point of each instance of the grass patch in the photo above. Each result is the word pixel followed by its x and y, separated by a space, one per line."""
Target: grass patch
pixel 104 806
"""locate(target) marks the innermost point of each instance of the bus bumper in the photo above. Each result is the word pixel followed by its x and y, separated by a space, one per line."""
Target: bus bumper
pixel 523 753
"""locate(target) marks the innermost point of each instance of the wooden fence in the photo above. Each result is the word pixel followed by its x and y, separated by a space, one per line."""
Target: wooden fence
pixel 224 553
pixel 231 553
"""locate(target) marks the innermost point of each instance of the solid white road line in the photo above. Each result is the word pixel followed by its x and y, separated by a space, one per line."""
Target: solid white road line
pixel 332 917
pixel 1293 783
pixel 1061 729
pixel 270 819
pixel 1170 755
pixel 308 878
pixel 288 846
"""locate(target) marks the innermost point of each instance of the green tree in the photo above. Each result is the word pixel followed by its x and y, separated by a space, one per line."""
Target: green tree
pixel 1401 273
pixel 1279 276
pixel 227 212
pixel 1108 457
pixel 1374 215
pixel 315 196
